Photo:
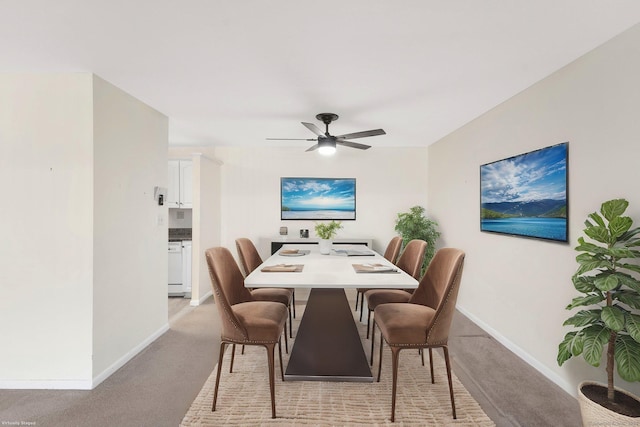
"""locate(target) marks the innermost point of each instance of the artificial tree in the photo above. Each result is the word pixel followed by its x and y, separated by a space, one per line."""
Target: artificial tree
pixel 610 297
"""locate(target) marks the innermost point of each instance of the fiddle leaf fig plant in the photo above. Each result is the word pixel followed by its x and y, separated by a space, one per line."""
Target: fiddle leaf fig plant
pixel 327 230
pixel 610 296
pixel 415 225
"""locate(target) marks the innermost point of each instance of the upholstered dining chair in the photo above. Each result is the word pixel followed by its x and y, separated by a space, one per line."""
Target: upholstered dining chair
pixel 410 262
pixel 250 260
pixel 245 320
pixel 390 254
pixel 423 321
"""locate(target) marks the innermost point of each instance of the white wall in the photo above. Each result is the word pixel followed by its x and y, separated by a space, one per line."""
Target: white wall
pixel 517 288
pixel 83 270
pixel 389 180
pixel 47 225
pixel 130 244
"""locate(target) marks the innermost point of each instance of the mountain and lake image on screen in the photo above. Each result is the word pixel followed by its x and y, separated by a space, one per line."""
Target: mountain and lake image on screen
pixel 318 198
pixel 526 195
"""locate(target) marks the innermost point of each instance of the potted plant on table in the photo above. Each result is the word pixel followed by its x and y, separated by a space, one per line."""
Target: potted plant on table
pixel 610 317
pixel 326 231
pixel 415 225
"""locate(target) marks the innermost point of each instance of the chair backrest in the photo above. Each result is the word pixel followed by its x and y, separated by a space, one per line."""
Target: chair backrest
pixel 393 249
pixel 228 288
pixel 248 254
pixel 412 258
pixel 438 289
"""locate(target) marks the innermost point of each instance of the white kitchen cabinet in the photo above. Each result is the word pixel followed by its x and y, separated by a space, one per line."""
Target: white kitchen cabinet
pixel 180 191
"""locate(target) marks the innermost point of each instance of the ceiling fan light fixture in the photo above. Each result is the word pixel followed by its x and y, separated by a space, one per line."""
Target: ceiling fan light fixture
pixel 326 148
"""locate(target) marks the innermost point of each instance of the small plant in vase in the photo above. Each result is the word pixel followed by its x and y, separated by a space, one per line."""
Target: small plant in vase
pixel 610 319
pixel 326 231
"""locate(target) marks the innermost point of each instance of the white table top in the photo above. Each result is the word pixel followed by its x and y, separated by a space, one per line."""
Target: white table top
pixel 327 271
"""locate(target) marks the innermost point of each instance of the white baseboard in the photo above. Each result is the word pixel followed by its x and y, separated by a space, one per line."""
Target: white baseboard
pixel 83 384
pixel 202 299
pixel 46 385
pixel 552 376
pixel 128 356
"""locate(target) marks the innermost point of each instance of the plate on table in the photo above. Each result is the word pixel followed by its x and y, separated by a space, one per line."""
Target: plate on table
pixel 293 252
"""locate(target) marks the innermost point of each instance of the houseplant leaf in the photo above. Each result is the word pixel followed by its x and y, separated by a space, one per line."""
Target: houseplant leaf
pixel 606 282
pixel 627 358
pixel 633 326
pixel 630 298
pixel 585 301
pixel 595 338
pixel 571 346
pixel 583 318
pixel 598 233
pixel 584 284
pixel 589 262
pixel 613 208
pixel 596 218
pixel 620 225
pixel 613 318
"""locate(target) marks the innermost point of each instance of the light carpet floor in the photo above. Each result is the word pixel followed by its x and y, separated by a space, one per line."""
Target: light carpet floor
pixel 243 396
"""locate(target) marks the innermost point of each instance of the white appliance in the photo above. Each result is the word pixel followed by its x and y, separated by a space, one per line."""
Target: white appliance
pixel 175 268
pixel 186 267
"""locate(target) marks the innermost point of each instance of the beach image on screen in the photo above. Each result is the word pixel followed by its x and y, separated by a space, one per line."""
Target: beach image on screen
pixel 318 198
pixel 526 195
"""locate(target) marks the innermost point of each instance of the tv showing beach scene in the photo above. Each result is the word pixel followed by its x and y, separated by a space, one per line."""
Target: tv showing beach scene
pixel 318 198
pixel 526 195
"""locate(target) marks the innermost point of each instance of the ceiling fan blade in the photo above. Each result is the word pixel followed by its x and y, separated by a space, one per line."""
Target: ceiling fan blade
pixel 314 147
pixel 362 134
pixel 353 144
pixel 313 128
pixel 291 139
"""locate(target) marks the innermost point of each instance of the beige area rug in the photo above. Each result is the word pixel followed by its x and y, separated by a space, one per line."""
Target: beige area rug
pixel 244 400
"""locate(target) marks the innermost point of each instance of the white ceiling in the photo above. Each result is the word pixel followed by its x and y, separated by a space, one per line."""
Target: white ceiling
pixel 233 72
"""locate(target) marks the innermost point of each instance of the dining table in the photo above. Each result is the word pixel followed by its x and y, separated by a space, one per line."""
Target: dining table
pixel 327 345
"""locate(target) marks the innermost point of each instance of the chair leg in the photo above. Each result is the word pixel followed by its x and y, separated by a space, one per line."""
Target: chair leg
pixel 380 358
pixel 233 356
pixel 373 338
pixel 421 352
pixel 290 324
pixel 361 306
pixel 280 354
pixel 395 352
pixel 368 321
pixel 215 390
pixel 272 388
pixel 357 297
pixel 446 359
pixel 242 352
pixel 286 340
pixel 431 364
pixel 293 302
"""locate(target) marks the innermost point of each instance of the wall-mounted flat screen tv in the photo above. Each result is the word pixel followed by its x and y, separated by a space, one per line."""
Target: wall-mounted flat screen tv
pixel 526 195
pixel 318 198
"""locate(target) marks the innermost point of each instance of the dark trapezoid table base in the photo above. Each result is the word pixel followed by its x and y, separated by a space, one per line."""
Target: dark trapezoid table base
pixel 327 345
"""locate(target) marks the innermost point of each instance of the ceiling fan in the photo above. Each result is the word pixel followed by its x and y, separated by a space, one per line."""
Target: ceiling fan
pixel 326 142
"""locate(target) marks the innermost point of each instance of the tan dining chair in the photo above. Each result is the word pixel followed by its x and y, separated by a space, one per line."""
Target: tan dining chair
pixel 245 320
pixel 410 262
pixel 390 254
pixel 250 260
pixel 424 321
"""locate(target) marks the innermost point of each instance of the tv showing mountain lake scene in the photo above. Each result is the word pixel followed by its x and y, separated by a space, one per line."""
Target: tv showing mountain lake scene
pixel 318 198
pixel 526 195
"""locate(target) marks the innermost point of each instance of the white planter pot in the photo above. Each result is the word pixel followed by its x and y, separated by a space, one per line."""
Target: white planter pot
pixel 595 415
pixel 325 246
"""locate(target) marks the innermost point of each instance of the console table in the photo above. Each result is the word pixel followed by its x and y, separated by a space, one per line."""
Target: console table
pixel 277 242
